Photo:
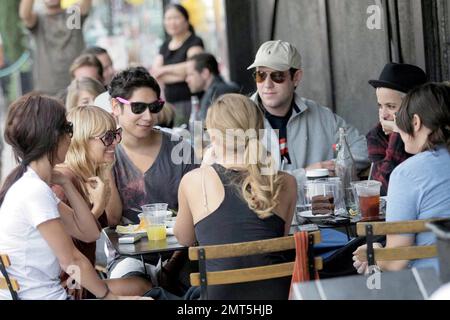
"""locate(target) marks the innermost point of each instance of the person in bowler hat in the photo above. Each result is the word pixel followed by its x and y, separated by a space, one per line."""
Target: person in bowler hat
pixel 386 148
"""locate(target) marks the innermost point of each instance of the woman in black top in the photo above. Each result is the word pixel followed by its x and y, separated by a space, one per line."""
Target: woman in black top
pixel 239 198
pixel 169 67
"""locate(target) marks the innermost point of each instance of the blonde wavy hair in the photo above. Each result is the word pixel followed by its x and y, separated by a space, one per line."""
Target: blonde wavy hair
pixel 88 122
pixel 232 115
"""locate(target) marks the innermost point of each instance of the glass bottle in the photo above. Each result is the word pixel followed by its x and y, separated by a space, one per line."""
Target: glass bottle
pixel 195 112
pixel 345 168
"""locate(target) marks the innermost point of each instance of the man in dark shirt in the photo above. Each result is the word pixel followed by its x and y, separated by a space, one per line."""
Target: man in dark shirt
pixel 203 76
pixel 280 124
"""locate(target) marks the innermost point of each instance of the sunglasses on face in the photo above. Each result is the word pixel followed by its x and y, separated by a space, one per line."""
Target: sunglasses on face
pixel 140 107
pixel 67 128
pixel 276 76
pixel 110 136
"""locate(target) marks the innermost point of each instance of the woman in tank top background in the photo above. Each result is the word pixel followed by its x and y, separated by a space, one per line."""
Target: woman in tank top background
pixel 238 198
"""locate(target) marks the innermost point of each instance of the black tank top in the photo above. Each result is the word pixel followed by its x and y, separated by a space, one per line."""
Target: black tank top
pixel 176 92
pixel 234 222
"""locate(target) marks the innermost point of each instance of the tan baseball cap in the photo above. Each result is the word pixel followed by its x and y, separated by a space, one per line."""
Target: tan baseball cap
pixel 278 55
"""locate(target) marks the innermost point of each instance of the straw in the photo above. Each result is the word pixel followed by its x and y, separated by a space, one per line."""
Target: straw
pixel 370 172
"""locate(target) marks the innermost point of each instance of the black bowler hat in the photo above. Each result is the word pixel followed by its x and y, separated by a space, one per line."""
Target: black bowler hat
pixel 400 77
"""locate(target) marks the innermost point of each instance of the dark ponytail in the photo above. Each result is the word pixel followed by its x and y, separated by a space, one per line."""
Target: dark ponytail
pixel 34 126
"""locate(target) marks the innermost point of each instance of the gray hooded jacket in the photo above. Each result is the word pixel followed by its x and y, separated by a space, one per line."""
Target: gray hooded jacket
pixel 311 133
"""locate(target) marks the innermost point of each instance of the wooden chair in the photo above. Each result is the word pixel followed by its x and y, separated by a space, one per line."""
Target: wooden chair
pixel 204 278
pixel 6 282
pixel 372 229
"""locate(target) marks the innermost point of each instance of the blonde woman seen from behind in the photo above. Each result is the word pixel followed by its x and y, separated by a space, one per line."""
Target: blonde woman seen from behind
pixel 240 198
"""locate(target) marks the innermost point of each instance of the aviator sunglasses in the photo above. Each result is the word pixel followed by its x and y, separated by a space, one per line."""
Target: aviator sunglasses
pixel 140 107
pixel 276 76
pixel 110 136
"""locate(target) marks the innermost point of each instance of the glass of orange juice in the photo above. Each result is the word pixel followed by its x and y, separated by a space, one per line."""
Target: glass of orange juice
pixel 155 225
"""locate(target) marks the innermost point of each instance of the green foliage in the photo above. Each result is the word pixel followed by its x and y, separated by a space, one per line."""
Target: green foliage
pixel 11 29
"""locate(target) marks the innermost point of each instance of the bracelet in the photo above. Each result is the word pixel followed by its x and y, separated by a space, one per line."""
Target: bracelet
pixel 107 292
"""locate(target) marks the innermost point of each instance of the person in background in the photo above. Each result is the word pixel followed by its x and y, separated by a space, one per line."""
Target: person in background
pixel 56 44
pixel 169 67
pixel 247 203
pixel 203 78
pixel 87 66
pixel 307 130
pixel 36 227
pixel 386 148
pixel 106 61
pixel 82 92
pixel 166 117
pixel 418 187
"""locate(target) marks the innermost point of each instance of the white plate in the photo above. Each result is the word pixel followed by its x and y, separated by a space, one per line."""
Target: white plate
pixel 130 229
pixel 308 214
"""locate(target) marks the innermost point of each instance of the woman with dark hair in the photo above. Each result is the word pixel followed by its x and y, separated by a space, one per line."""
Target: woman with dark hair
pixel 36 227
pixel 418 188
pixel 169 67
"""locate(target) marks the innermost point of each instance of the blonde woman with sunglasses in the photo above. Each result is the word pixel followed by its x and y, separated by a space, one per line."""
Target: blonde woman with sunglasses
pixel 88 165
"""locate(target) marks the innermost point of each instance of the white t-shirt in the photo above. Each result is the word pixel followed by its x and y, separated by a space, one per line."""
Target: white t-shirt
pixel 28 203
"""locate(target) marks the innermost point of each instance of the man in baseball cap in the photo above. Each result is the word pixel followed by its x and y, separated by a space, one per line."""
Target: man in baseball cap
pixel 301 132
pixel 277 55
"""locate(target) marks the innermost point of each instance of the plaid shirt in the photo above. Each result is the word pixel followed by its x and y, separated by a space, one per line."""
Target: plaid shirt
pixel 386 153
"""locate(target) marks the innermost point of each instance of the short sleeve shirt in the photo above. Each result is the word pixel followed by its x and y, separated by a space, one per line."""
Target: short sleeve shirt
pixel 27 204
pixel 177 92
pixel 419 189
pixel 159 184
pixel 57 46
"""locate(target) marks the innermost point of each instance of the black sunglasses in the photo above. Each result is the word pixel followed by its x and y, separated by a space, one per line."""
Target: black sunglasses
pixel 110 136
pixel 276 76
pixel 140 107
pixel 67 127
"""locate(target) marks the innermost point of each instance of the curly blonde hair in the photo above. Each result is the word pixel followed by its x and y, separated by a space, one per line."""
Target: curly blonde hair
pixel 88 122
pixel 237 118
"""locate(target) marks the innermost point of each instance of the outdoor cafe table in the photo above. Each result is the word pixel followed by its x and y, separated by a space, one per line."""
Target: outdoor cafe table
pixel 143 246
